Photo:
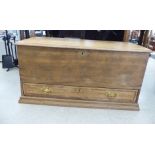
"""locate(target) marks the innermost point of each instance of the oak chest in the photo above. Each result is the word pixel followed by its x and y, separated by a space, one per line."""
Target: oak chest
pixel 85 73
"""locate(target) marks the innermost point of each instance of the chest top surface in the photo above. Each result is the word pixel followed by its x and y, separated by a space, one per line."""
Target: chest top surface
pixel 82 44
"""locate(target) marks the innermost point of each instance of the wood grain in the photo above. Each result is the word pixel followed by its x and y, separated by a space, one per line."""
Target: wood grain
pixel 82 67
pixel 78 103
pixel 85 93
pixel 73 72
pixel 82 44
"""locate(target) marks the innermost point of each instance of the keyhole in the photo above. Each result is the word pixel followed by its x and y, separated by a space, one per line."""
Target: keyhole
pixel 82 53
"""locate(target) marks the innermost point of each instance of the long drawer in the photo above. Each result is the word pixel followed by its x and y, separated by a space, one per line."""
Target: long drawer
pixel 84 93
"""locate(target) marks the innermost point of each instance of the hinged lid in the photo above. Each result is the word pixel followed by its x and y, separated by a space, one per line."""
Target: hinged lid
pixel 82 44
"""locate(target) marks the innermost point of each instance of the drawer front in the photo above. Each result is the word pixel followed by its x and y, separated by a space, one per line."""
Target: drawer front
pixel 84 93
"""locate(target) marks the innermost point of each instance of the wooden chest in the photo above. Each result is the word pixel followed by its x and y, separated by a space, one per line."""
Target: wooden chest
pixel 85 73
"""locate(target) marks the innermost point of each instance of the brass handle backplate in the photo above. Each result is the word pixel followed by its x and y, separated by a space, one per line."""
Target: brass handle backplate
pixel 110 94
pixel 46 90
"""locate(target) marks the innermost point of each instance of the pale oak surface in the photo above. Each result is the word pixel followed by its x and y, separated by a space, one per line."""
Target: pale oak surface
pixel 98 67
pixel 82 44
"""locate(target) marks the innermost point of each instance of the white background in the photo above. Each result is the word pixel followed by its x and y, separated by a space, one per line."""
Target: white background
pixel 77 14
pixel 77 139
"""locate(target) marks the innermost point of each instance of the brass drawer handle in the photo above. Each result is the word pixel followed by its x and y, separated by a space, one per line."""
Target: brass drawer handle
pixel 46 90
pixel 110 94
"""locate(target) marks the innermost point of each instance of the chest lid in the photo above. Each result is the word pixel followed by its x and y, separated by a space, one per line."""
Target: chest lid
pixel 82 44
